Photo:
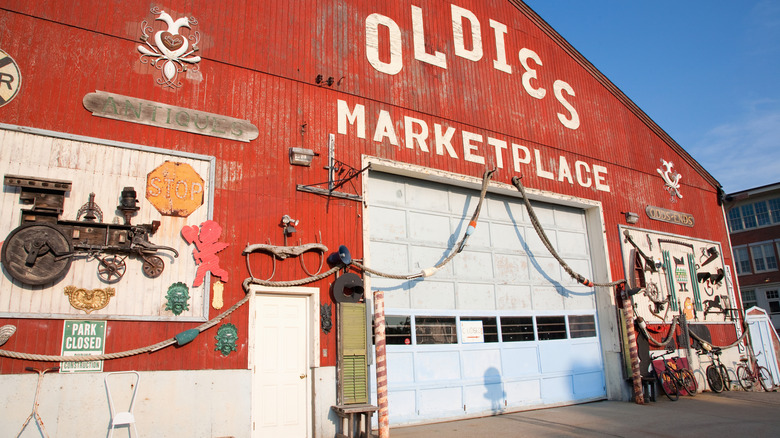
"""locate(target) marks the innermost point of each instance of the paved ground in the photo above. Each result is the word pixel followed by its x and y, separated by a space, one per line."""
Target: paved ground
pixel 729 414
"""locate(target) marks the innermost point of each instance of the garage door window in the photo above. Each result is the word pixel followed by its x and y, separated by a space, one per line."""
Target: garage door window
pixel 582 326
pixel 489 327
pixel 551 327
pixel 442 329
pixel 398 330
pixel 517 329
pixel 435 330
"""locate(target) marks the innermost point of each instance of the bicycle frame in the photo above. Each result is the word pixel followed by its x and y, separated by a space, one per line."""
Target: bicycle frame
pixel 716 373
pixel 675 378
pixel 749 371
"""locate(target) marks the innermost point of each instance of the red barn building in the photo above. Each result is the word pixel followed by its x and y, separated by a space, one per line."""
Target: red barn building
pixel 244 142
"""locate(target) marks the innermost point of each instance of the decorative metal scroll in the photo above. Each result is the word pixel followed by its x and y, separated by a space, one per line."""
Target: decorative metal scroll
pixel 89 300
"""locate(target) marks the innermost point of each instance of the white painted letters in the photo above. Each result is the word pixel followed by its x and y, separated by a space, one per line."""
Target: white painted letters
pixel 468 137
pixel 525 55
pixel 573 122
pixel 499 63
pixel 458 14
pixel 531 62
pixel 395 65
pixel 419 137
pixel 355 117
pixel 444 141
pixel 384 129
pixel 438 59
pixel 445 138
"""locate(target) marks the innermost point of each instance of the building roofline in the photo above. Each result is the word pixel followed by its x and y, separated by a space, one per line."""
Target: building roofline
pixel 612 88
pixel 754 191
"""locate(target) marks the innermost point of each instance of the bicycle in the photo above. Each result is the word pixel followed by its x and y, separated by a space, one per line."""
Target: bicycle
pixel 717 374
pixel 674 380
pixel 748 372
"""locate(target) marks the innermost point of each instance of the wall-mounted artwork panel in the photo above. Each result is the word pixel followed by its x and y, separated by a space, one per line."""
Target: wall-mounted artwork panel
pixel 92 229
pixel 677 274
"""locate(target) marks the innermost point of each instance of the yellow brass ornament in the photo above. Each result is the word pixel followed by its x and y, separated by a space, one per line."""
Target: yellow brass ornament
pixel 217 302
pixel 89 300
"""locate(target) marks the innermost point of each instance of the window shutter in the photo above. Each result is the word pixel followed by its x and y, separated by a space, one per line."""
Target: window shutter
pixel 353 361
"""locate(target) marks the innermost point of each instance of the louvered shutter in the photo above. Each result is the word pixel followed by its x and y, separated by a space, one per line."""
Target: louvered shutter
pixel 353 363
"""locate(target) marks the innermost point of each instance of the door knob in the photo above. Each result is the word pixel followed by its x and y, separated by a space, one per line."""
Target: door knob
pixel 302 376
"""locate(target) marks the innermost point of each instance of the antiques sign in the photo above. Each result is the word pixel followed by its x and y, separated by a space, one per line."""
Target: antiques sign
pixel 83 338
pixel 147 112
pixel 671 216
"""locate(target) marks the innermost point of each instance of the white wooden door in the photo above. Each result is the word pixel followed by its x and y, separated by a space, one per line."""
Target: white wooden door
pixel 762 333
pixel 281 398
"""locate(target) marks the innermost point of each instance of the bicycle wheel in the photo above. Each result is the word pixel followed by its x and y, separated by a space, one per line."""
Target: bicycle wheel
pixel 726 379
pixel 689 382
pixel 714 379
pixel 744 378
pixel 668 385
pixel 765 378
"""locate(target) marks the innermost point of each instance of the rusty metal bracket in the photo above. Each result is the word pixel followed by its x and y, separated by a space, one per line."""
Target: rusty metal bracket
pixel 339 173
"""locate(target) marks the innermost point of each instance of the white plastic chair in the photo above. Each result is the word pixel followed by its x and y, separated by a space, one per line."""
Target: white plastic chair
pixel 122 418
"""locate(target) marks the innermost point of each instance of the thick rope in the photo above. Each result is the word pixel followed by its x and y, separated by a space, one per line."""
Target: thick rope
pixel 668 338
pixel 427 272
pixel 307 280
pixel 251 280
pixel 118 355
pixel 543 236
pixel 733 344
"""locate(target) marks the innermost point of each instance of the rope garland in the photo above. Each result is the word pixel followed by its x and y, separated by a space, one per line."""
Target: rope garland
pixel 543 236
pixel 427 272
pixel 118 355
pixel 251 280
pixel 672 329
pixel 733 344
pixel 668 338
pixel 310 279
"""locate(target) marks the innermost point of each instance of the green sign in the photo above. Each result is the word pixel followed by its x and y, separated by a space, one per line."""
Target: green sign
pixel 83 338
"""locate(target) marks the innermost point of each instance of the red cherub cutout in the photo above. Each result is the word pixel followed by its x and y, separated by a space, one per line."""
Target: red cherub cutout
pixel 206 249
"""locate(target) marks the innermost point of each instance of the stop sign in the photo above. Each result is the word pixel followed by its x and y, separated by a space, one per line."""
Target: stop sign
pixel 175 189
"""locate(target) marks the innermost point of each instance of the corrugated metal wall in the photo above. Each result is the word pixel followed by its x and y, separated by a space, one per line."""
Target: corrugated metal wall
pixel 260 62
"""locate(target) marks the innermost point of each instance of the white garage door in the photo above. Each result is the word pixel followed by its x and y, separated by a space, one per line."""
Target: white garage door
pixel 500 327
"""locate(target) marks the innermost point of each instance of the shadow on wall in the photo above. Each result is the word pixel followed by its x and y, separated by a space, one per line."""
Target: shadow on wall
pixel 560 288
pixel 494 390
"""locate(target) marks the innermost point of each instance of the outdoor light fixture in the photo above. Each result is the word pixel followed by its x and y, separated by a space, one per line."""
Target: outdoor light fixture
pixel 301 156
pixel 631 217
pixel 288 224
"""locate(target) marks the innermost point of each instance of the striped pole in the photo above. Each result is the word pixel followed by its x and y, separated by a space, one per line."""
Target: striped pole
pixel 633 349
pixel 381 364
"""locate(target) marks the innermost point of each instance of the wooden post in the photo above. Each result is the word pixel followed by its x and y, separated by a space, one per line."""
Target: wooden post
pixel 633 349
pixel 381 364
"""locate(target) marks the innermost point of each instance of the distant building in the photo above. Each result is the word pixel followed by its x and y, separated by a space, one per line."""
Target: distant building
pixel 754 224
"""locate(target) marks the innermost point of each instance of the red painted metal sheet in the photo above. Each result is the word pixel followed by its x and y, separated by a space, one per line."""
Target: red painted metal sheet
pixel 261 60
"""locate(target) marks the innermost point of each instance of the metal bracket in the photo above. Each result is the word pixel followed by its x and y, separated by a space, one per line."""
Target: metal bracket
pixel 339 173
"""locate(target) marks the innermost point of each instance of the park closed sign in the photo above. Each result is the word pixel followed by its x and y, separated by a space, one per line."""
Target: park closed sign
pixel 83 338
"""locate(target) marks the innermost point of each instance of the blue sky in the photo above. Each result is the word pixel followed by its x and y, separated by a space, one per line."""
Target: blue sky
pixel 706 71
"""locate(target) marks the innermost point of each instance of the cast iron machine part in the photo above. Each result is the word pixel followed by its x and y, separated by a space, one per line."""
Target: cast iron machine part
pixel 40 251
